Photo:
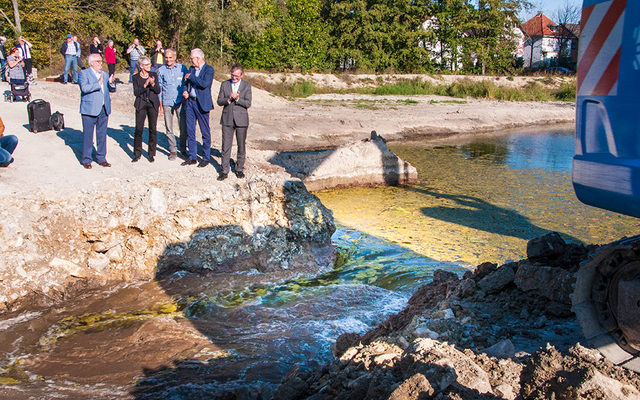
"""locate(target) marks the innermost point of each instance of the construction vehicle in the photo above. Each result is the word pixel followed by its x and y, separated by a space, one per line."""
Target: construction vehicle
pixel 606 173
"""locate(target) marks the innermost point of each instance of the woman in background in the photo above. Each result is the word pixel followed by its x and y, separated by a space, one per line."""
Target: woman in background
pixel 15 63
pixel 146 90
pixel 110 57
pixel 96 46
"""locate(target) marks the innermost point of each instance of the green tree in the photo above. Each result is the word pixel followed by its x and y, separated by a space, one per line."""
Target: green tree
pixel 492 39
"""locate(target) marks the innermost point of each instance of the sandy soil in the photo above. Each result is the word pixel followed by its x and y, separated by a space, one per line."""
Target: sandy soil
pixel 48 162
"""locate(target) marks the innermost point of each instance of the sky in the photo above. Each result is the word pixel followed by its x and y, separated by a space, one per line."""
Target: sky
pixel 548 7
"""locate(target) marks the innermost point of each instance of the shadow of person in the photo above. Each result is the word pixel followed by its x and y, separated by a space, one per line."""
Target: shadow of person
pixel 125 135
pixel 215 277
pixel 479 214
pixel 73 139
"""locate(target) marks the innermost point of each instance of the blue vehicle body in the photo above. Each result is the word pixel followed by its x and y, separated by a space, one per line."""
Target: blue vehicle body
pixel 606 165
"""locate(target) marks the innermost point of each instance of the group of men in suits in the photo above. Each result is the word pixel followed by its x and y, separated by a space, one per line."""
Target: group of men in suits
pixel 234 97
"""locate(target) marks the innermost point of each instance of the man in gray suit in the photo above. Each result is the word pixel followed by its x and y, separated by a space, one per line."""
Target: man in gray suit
pixel 95 107
pixel 235 97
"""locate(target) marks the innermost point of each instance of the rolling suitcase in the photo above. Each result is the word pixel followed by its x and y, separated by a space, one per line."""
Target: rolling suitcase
pixel 39 115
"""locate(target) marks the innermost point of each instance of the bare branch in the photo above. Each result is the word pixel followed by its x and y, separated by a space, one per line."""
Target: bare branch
pixel 8 20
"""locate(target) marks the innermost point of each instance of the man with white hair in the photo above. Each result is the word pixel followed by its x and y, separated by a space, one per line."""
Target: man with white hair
pixel 95 107
pixel 171 80
pixel 198 104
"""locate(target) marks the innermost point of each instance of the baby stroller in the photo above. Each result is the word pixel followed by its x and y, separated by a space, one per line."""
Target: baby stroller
pixel 18 90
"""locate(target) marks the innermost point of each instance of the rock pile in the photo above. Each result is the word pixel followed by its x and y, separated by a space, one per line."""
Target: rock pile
pixel 498 332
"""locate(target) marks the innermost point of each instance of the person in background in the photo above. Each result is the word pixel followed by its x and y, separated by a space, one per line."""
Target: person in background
pixel 157 56
pixel 8 144
pixel 110 58
pixel 80 63
pixel 69 51
pixel 25 52
pixel 3 58
pixel 96 46
pixel 16 67
pixel 135 51
pixel 198 104
pixel 235 97
pixel 146 90
pixel 171 80
pixel 95 107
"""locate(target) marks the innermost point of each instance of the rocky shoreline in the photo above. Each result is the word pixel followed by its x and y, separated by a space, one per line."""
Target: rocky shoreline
pixel 503 332
pixel 55 247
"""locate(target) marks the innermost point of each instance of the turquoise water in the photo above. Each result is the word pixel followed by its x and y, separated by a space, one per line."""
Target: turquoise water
pixel 522 149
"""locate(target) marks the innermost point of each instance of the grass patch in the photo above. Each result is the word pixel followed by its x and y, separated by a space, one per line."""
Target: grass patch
pixel 464 88
pixel 408 101
pixel 447 101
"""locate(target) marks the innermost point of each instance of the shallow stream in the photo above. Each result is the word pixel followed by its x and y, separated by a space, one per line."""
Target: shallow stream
pixel 477 200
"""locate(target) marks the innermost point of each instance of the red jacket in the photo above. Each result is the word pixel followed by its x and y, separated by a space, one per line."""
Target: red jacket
pixel 109 55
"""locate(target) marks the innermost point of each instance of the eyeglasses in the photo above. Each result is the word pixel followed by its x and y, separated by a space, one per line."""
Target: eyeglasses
pixel 236 75
pixel 98 61
pixel 145 65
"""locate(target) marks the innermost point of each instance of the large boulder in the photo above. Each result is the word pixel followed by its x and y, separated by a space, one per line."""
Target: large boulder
pixel 363 163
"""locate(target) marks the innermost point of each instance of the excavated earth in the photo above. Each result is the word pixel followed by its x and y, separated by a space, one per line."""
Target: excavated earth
pixel 498 332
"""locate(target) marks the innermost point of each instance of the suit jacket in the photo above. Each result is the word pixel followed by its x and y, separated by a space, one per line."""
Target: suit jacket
pixel 91 98
pixel 202 85
pixel 143 94
pixel 235 113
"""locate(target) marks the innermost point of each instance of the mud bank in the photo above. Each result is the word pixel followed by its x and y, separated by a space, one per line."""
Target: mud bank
pixel 142 227
pixel 503 332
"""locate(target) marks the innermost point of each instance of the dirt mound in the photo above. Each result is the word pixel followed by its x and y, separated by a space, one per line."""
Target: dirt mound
pixel 497 332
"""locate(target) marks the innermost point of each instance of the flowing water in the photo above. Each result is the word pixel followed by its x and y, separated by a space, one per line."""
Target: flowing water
pixel 192 333
pixel 477 200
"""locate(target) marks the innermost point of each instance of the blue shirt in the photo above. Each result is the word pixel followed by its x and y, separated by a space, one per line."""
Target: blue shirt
pixel 171 83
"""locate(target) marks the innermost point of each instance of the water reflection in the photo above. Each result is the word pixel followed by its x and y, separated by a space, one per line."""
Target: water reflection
pixel 552 150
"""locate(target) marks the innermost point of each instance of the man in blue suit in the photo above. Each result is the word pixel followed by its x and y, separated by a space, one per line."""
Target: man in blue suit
pixel 198 104
pixel 95 107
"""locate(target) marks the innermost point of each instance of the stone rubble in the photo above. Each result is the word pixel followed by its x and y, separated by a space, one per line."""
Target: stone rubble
pixel 513 336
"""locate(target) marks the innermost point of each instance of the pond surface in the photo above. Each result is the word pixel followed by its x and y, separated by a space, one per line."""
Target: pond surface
pixel 480 199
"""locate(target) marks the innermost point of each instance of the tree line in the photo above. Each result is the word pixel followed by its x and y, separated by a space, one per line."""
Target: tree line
pixel 420 36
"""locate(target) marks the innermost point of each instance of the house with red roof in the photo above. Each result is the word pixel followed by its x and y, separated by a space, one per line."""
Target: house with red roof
pixel 545 40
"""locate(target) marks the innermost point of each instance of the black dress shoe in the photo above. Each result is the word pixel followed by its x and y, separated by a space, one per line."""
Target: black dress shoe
pixel 240 174
pixel 189 162
pixel 222 177
pixel 151 159
pixel 105 163
pixel 203 164
pixel 87 165
pixel 135 159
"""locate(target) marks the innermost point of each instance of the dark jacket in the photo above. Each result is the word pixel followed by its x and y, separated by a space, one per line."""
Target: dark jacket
pixel 63 48
pixel 144 95
pixel 93 49
pixel 235 113
pixel 202 85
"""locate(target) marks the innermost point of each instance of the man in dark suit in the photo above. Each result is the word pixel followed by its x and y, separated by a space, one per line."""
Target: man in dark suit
pixel 198 104
pixel 235 97
pixel 95 107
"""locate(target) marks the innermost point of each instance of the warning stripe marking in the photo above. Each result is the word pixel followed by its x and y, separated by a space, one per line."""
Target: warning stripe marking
pixel 597 32
pixel 609 78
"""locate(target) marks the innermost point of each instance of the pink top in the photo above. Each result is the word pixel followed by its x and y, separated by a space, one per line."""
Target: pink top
pixel 109 55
